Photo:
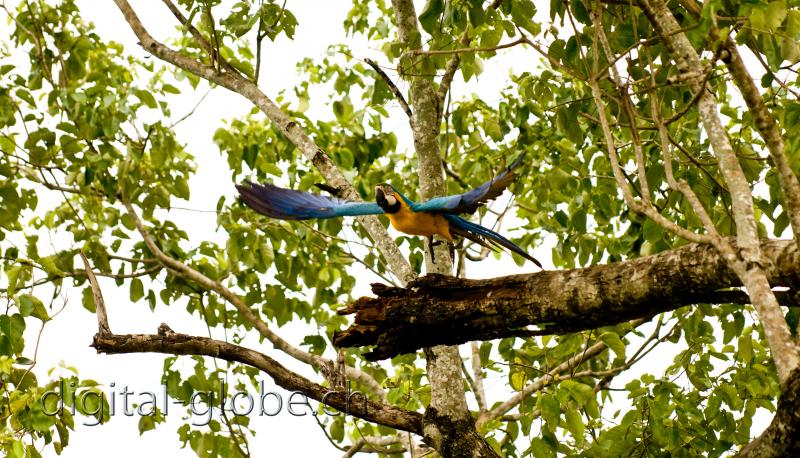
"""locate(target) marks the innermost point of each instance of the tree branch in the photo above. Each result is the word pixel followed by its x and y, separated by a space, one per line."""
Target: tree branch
pixel 448 426
pixel 436 52
pixel 443 310
pixel 477 370
pixel 450 71
pixel 99 303
pixel 172 343
pixel 763 120
pixel 392 87
pixel 551 376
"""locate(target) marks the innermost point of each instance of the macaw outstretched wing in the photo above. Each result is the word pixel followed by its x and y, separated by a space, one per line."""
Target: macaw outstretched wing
pixel 469 201
pixel 281 203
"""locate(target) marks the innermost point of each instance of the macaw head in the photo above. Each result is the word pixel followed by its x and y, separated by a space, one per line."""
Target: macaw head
pixel 387 198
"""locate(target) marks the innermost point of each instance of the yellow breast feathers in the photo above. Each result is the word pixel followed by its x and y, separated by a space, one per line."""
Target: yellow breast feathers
pixel 419 223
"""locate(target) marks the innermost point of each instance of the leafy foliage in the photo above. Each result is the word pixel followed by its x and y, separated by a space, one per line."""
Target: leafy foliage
pixel 85 126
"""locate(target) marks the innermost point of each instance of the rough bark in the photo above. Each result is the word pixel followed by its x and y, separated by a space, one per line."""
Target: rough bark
pixel 763 121
pixel 770 132
pixel 446 310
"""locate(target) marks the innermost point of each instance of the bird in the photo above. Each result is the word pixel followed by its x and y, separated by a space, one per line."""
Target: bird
pixel 437 216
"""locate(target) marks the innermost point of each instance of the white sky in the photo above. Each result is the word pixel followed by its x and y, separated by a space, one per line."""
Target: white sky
pixel 67 338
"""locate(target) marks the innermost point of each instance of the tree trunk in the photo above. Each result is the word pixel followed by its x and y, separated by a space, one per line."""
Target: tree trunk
pixel 448 426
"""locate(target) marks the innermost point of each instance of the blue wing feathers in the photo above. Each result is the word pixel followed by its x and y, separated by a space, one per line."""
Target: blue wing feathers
pixel 281 203
pixel 469 201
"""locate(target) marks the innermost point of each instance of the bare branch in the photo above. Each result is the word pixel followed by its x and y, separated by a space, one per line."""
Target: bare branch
pixel 180 344
pixel 437 52
pixel 763 120
pixel 99 303
pixel 749 264
pixel 450 71
pixel 548 378
pixel 186 272
pixel 477 373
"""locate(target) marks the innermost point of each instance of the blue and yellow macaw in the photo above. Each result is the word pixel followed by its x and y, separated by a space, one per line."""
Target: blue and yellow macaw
pixel 438 216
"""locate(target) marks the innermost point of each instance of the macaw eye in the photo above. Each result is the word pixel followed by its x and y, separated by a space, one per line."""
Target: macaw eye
pixel 390 199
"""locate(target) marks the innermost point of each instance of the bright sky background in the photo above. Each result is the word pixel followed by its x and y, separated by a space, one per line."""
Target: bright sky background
pixel 67 338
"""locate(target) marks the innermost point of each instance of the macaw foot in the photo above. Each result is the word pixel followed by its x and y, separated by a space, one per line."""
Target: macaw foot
pixel 434 243
pixel 431 245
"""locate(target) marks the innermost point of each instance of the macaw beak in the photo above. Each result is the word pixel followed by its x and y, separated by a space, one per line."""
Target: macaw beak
pixel 385 197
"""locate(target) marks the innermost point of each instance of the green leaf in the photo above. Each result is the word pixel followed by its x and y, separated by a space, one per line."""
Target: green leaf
pixel 652 231
pixel 31 306
pixel 518 380
pixel 429 18
pixel 137 290
pixel 574 424
pixel 337 429
pixel 146 98
pixel 614 342
pixel 87 299
pixel 775 14
pixel 146 423
pixel 317 344
pixel 541 448
pixel 793 24
pixel 551 409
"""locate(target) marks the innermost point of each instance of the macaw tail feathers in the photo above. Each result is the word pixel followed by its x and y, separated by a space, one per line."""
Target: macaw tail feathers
pixel 484 237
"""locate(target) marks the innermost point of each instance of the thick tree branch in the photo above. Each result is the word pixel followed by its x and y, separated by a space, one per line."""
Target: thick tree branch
pixel 445 310
pixel 237 83
pixel 172 343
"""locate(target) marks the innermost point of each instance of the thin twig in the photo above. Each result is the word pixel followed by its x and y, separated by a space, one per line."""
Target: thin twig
pixel 392 87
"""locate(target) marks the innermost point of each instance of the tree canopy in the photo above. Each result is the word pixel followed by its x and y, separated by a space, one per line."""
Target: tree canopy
pixel 660 171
